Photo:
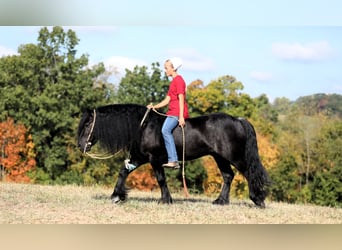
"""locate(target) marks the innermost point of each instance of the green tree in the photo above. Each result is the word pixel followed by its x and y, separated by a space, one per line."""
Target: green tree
pixel 143 87
pixel 312 137
pixel 221 95
pixel 46 87
pixel 282 105
pixel 263 115
pixel 285 180
pixel 326 187
pixel 204 99
pixel 309 126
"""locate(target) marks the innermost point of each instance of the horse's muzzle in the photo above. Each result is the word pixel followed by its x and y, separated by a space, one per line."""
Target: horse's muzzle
pixel 85 148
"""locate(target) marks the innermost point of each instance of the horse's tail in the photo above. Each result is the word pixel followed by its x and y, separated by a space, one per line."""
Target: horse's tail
pixel 256 175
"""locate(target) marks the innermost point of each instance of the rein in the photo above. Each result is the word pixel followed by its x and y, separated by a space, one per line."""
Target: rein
pixel 103 156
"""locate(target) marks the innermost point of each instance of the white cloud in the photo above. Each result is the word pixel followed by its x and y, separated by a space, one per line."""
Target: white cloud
pixel 261 76
pixel 120 63
pixel 192 59
pixel 6 51
pixel 302 52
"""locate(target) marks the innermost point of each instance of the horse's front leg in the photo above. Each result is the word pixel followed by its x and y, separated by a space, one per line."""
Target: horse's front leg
pixel 120 191
pixel 160 175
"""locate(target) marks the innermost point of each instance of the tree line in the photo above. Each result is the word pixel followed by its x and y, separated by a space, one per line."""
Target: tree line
pixel 46 87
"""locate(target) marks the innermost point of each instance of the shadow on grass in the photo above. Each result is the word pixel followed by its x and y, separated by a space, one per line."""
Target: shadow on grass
pixel 101 197
pixel 151 199
pixel 133 198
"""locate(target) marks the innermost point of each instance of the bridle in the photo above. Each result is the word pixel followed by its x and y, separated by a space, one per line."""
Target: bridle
pixel 100 156
pixel 88 143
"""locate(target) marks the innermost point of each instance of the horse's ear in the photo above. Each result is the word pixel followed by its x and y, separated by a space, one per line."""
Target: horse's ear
pixel 83 113
pixel 80 112
pixel 86 110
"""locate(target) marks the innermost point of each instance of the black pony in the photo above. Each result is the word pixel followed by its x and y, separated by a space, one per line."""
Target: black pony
pixel 230 140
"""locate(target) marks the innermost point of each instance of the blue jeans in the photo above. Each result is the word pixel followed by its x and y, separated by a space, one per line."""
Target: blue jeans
pixel 169 125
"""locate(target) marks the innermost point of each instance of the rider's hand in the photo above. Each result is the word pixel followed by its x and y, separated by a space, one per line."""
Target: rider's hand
pixel 181 121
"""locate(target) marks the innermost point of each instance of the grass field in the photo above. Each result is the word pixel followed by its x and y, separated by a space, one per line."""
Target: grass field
pixel 36 204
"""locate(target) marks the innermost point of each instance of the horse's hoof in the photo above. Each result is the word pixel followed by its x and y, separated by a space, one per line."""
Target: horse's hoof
pixel 116 200
pixel 261 205
pixel 167 202
pixel 220 202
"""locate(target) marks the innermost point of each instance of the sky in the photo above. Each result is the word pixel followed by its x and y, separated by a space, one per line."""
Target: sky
pixel 279 57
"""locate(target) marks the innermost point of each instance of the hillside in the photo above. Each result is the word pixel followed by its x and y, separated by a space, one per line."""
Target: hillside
pixel 37 204
pixel 329 104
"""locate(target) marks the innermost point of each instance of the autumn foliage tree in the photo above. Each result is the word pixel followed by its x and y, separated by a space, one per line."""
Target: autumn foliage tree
pixel 143 179
pixel 17 152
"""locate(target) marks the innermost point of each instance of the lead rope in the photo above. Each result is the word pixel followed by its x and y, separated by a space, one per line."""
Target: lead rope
pixel 183 166
pixel 186 192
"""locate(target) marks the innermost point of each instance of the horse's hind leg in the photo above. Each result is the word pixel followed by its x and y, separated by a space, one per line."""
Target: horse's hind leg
pixel 257 179
pixel 257 184
pixel 228 176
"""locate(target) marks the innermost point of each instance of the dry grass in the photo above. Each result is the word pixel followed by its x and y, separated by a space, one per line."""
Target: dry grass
pixel 36 204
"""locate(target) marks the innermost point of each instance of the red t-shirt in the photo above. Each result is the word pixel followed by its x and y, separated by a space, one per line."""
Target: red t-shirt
pixel 177 87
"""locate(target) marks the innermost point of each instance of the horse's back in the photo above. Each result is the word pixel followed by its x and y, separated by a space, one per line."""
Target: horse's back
pixel 215 123
pixel 215 133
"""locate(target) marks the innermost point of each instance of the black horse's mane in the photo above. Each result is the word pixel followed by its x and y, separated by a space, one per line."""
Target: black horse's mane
pixel 118 126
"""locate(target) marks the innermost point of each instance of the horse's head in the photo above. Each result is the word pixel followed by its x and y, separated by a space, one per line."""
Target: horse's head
pixel 86 135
